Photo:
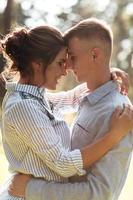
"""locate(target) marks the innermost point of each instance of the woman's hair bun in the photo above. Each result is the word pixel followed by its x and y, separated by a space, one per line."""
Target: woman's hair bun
pixel 13 43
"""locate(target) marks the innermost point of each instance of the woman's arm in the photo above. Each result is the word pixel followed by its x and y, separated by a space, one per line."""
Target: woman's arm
pixel 68 101
pixel 121 123
pixel 36 130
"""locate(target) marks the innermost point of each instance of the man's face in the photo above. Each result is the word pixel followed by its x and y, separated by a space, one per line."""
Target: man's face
pixel 80 59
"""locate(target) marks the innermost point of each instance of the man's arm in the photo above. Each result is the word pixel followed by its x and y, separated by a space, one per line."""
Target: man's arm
pixel 41 190
pixel 104 181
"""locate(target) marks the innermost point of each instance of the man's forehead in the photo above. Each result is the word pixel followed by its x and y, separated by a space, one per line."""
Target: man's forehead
pixel 77 45
pixel 70 52
pixel 73 45
pixel 73 41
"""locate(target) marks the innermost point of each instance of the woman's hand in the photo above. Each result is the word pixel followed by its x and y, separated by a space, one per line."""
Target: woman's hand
pixel 121 78
pixel 122 121
pixel 18 185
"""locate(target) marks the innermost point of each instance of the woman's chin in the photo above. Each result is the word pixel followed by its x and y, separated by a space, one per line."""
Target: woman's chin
pixel 52 87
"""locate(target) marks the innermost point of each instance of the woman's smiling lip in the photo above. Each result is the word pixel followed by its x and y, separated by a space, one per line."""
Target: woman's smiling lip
pixel 58 79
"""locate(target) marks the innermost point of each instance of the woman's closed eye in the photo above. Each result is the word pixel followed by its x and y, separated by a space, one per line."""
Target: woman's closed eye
pixel 62 63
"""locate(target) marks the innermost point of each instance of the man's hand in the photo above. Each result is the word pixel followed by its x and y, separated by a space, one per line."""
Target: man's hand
pixel 18 185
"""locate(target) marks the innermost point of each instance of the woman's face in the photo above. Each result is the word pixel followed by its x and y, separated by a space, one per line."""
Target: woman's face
pixel 55 70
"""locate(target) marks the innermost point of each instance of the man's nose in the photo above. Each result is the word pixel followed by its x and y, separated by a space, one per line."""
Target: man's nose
pixel 64 70
pixel 69 65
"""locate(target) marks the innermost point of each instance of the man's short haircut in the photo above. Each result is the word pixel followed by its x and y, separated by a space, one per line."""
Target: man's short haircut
pixel 90 28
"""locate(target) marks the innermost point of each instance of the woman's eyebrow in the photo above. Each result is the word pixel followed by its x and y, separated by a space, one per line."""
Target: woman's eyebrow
pixel 63 60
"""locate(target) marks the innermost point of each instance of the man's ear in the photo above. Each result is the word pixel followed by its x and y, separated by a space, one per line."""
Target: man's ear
pixel 95 52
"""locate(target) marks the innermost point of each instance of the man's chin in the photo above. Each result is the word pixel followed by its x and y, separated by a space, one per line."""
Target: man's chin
pixel 79 80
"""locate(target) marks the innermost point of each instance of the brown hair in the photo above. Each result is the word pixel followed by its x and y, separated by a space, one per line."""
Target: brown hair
pixel 24 46
pixel 90 28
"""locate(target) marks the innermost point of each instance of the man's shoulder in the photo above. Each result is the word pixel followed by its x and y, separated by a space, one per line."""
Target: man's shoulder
pixel 119 99
pixel 114 99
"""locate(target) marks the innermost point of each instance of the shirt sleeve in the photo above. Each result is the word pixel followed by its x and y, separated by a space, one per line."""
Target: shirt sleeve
pixel 68 101
pixel 36 130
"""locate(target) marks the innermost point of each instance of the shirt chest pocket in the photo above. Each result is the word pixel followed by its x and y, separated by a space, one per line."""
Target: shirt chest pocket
pixel 86 121
pixel 83 133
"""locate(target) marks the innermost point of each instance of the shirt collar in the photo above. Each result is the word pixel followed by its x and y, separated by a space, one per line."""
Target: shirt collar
pixel 101 92
pixel 30 89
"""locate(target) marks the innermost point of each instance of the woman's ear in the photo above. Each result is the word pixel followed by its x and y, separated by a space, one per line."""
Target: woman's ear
pixel 37 64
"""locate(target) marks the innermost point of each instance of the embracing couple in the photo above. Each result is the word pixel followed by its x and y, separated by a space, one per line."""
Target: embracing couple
pixel 48 161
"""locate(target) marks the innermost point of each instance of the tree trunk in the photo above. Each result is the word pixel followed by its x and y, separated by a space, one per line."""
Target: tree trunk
pixel 8 16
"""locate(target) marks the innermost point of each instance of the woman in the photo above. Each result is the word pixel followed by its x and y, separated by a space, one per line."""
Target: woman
pixel 35 138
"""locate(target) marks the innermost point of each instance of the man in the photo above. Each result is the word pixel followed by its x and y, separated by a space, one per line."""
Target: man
pixel 90 48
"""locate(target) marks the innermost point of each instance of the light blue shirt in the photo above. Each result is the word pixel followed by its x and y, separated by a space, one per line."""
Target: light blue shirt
pixel 106 177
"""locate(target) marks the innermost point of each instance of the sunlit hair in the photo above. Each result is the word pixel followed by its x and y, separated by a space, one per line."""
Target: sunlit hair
pixel 24 46
pixel 91 28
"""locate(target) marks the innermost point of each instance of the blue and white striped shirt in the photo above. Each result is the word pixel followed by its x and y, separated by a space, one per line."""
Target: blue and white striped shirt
pixel 35 138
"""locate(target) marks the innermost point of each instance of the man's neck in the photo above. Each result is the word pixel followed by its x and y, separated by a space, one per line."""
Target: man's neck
pixel 100 80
